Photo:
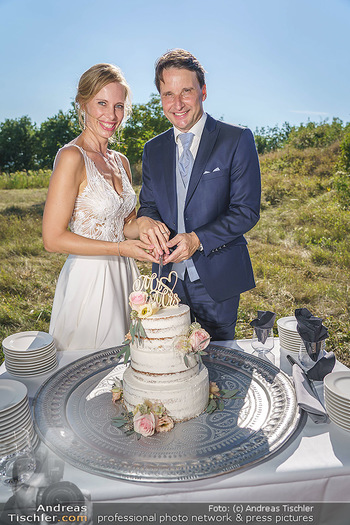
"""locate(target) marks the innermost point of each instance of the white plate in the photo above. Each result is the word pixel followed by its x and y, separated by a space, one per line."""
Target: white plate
pixel 24 411
pixel 12 448
pixel 338 411
pixel 27 341
pixel 288 323
pixel 11 393
pixel 33 374
pixel 339 422
pixel 8 438
pixel 339 383
pixel 343 403
pixel 294 348
pixel 15 410
pixel 31 360
pixel 33 354
pixel 30 366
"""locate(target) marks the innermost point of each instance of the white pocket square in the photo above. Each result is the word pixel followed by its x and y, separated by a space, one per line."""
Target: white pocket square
pixel 206 171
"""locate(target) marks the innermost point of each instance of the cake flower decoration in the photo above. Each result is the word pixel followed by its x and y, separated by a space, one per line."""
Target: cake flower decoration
pixel 217 396
pixel 194 342
pixel 148 296
pixel 147 419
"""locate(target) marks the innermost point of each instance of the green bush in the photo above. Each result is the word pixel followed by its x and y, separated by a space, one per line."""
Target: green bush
pixel 25 179
pixel 341 181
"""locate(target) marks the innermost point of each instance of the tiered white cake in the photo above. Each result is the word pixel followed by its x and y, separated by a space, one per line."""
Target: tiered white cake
pixel 159 373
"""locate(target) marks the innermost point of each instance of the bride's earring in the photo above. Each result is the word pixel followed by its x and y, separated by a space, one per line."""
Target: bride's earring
pixel 83 116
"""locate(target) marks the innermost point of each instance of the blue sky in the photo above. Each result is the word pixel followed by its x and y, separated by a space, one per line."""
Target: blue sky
pixel 267 62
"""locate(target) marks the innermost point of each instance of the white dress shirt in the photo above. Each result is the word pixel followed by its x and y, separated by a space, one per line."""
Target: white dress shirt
pixel 197 131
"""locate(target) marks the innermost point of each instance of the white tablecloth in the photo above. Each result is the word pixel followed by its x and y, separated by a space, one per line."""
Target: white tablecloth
pixel 313 467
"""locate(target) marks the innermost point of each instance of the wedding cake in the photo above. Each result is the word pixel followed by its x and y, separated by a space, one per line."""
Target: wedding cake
pixel 166 366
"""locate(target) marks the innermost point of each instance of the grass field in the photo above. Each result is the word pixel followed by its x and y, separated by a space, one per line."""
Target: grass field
pixel 300 251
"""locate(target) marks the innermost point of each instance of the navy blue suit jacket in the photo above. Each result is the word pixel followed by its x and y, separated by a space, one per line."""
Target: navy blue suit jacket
pixel 222 202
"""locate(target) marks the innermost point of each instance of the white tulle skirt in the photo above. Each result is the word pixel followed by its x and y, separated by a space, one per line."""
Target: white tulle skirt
pixel 91 305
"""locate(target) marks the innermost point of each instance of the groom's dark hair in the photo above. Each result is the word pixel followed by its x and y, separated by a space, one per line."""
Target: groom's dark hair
pixel 181 59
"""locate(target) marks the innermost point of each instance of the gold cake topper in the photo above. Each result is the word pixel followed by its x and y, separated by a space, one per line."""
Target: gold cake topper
pixel 160 289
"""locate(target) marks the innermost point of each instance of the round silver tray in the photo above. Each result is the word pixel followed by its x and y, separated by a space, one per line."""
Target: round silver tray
pixel 248 430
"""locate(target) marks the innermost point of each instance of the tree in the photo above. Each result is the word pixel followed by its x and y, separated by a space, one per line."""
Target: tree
pixel 271 139
pixel 316 135
pixel 146 121
pixel 18 144
pixel 342 174
pixel 54 133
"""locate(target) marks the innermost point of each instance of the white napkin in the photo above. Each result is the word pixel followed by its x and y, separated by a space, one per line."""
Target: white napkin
pixel 106 384
pixel 306 398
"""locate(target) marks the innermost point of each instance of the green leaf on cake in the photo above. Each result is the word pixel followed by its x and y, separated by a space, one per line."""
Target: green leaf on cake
pixel 228 394
pixel 211 406
pixel 142 332
pixel 186 361
pixel 133 331
pixel 119 421
pixel 127 354
pixel 221 404
pixel 123 350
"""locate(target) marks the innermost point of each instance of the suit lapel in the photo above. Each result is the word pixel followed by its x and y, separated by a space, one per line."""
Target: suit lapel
pixel 208 139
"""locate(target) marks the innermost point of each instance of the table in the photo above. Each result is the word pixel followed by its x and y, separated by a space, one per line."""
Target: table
pixel 312 467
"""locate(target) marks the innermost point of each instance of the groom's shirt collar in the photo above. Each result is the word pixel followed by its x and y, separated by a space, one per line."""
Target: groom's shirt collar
pixel 197 131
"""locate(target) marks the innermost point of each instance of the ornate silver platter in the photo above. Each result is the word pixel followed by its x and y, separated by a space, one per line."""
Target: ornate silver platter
pixel 247 431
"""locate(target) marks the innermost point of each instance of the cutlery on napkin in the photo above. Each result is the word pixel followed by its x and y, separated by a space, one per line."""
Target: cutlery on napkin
pixel 262 324
pixel 106 384
pixel 307 396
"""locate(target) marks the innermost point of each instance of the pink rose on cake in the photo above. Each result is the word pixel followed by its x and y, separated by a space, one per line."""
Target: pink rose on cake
pixel 137 300
pixel 145 424
pixel 199 339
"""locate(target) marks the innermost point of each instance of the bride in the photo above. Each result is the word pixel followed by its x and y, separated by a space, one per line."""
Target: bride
pixel 90 215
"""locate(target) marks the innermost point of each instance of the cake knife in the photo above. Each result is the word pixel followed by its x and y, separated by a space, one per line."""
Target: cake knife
pixel 160 268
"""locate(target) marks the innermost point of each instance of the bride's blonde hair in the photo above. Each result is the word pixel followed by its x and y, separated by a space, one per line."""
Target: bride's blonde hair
pixel 93 80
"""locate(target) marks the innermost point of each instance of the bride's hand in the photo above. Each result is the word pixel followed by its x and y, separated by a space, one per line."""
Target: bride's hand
pixel 155 233
pixel 137 250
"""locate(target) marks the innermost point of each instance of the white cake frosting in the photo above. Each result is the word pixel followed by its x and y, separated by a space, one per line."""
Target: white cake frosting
pixel 158 372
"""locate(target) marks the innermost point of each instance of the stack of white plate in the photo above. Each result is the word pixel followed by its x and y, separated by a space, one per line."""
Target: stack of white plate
pixel 290 339
pixel 29 353
pixel 337 398
pixel 15 417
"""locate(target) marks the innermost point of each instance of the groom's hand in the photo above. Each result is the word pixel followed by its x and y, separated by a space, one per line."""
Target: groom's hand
pixel 155 233
pixel 186 244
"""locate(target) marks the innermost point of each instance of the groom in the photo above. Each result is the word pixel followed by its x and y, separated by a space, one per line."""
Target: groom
pixel 202 179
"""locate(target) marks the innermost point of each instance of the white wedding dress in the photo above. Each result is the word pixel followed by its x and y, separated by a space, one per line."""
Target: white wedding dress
pixel 91 306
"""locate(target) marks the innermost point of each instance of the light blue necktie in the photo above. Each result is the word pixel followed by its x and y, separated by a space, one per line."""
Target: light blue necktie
pixel 186 159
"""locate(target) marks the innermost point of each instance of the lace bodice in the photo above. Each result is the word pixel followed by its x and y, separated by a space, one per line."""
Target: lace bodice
pixel 99 211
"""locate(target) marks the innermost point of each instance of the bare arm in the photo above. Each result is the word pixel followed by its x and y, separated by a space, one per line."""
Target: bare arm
pixel 67 179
